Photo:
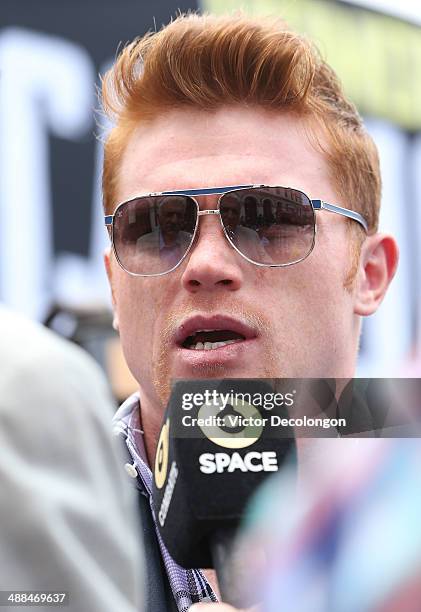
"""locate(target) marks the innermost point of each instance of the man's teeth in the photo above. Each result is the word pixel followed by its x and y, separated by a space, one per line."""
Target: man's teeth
pixel 207 346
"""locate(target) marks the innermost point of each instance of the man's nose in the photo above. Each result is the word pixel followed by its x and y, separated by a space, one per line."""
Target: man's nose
pixel 212 262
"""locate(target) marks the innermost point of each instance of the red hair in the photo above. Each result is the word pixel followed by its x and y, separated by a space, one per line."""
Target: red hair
pixel 209 62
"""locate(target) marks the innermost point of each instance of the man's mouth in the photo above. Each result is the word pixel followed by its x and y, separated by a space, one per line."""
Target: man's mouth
pixel 208 333
pixel 209 339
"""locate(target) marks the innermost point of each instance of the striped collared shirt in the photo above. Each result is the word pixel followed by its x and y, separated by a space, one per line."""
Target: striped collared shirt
pixel 188 585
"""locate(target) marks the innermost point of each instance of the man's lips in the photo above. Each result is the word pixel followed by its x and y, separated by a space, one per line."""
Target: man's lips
pixel 204 332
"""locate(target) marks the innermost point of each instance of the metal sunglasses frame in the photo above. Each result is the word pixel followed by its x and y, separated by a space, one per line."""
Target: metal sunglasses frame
pixel 221 191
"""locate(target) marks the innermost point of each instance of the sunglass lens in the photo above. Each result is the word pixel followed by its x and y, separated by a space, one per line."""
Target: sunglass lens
pixel 152 234
pixel 269 225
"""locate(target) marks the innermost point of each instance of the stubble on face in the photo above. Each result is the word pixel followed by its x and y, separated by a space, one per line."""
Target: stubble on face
pixel 163 370
pixel 264 149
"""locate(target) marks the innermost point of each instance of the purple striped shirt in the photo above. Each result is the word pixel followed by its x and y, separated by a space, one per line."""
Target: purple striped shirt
pixel 188 585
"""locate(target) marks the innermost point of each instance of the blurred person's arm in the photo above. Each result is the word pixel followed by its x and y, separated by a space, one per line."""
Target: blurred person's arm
pixel 66 512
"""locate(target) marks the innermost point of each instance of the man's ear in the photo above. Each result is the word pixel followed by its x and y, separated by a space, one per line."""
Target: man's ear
pixel 378 262
pixel 108 268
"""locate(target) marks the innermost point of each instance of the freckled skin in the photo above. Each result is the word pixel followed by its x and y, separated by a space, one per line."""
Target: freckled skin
pixel 307 323
pixel 305 317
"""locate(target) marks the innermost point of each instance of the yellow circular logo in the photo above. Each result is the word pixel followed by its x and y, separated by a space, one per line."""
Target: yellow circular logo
pixel 161 457
pixel 241 428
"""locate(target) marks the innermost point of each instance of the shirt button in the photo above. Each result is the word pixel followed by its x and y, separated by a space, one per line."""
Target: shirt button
pixel 131 469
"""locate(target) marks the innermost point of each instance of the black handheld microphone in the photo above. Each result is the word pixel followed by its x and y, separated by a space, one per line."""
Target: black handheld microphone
pixel 219 440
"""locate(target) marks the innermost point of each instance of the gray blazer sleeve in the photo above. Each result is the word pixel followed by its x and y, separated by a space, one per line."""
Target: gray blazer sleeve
pixel 67 514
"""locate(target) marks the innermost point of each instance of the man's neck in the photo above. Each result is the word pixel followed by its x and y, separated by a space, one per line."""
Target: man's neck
pixel 151 416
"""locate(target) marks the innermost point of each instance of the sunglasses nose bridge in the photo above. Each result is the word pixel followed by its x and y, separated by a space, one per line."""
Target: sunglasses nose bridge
pixel 205 213
pixel 212 211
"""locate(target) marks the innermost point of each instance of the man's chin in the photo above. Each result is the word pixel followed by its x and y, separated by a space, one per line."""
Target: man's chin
pixel 164 380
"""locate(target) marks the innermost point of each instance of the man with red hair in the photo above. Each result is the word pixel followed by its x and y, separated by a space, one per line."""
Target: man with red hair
pixel 211 108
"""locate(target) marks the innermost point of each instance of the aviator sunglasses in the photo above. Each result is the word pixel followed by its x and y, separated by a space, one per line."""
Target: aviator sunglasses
pixel 268 226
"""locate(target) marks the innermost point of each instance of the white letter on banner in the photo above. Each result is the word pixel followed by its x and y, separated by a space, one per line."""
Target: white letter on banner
pixel 47 84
